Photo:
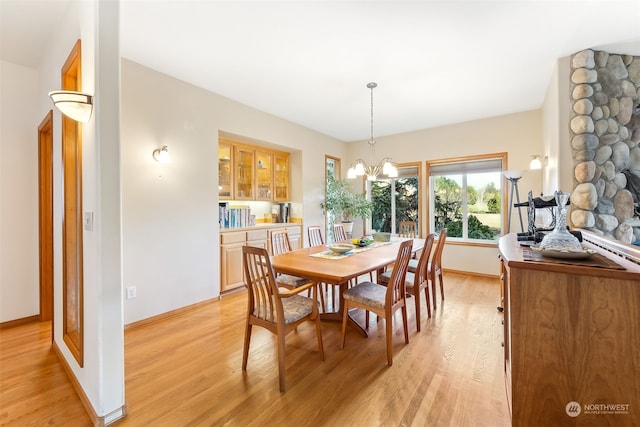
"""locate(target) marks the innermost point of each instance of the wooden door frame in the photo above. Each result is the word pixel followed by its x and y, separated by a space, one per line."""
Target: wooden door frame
pixel 45 215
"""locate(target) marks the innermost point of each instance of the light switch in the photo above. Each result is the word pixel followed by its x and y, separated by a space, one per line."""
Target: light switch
pixel 88 221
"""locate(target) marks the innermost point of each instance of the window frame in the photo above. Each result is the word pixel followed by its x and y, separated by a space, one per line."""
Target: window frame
pixel 399 166
pixel 503 156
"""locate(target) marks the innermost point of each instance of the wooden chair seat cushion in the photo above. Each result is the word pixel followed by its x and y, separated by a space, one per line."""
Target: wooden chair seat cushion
pixel 291 282
pixel 408 280
pixel 413 264
pixel 296 307
pixel 368 293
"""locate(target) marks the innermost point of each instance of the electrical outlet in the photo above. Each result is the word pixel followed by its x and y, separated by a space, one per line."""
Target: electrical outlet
pixel 131 292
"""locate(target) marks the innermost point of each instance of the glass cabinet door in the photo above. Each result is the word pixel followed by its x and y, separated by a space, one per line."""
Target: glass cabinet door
pixel 243 158
pixel 264 175
pixel 281 177
pixel 225 175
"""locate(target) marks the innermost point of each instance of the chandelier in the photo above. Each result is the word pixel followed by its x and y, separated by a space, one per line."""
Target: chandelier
pixel 372 169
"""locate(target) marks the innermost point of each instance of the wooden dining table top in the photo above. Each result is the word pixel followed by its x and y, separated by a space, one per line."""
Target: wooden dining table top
pixel 300 262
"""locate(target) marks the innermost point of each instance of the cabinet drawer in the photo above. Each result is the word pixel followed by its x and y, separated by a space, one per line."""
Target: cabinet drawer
pixel 235 237
pixel 257 235
pixel 295 230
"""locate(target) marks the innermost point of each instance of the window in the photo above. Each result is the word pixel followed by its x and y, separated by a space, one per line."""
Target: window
pixel 465 197
pixel 396 199
pixel 332 169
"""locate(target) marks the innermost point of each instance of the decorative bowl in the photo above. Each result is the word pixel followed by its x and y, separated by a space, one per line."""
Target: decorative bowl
pixel 381 237
pixel 341 248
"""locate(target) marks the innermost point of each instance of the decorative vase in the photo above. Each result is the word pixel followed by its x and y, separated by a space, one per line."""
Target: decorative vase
pixel 348 226
pixel 560 239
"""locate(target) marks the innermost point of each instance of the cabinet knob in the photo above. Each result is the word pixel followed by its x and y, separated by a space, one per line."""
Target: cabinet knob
pixel 502 344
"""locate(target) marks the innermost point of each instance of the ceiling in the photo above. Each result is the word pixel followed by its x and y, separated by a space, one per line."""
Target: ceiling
pixel 435 62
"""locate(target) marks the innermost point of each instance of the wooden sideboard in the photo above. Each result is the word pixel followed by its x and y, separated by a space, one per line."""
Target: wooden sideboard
pixel 571 340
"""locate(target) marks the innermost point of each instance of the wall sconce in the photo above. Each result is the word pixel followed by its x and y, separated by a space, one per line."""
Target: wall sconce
pixel 161 155
pixel 75 105
pixel 537 162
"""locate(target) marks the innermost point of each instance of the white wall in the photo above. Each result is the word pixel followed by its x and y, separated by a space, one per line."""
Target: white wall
pixel 170 232
pixel 517 134
pixel 558 173
pixel 96 24
pixel 19 285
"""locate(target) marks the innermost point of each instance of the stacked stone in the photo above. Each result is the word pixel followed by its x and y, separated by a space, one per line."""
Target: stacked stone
pixel 605 139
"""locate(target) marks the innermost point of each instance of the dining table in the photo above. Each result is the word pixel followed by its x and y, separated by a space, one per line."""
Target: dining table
pixel 320 264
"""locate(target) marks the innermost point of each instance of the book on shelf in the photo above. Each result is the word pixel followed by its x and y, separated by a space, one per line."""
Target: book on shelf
pixel 234 216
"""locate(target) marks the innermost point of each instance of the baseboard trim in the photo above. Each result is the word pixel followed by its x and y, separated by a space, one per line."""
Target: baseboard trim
pixel 168 314
pixel 472 273
pixel 17 322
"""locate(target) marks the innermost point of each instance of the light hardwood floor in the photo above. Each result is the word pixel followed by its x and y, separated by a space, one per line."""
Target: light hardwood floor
pixel 186 370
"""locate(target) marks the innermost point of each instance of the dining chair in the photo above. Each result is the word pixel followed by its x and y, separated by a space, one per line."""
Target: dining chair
pixel 408 229
pixel 280 244
pixel 417 281
pixel 315 235
pixel 278 312
pixel 339 233
pixel 384 301
pixel 315 239
pixel 435 266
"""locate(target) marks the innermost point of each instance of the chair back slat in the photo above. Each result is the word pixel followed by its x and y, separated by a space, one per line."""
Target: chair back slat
pixel 396 287
pixel 315 236
pixel 264 302
pixel 408 229
pixel 436 259
pixel 339 234
pixel 423 261
pixel 280 243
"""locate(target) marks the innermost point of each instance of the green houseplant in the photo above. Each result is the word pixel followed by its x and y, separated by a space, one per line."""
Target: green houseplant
pixel 344 204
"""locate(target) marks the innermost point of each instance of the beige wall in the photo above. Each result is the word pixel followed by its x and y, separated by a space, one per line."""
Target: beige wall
pixel 520 135
pixel 19 283
pixel 170 231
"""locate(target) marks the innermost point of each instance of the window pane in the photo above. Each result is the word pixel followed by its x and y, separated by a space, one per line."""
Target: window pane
pixel 484 203
pixel 403 205
pixel 406 201
pixel 381 198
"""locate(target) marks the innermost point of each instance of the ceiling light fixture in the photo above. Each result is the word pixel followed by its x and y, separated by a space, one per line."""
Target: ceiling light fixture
pixel 75 105
pixel 162 155
pixel 372 169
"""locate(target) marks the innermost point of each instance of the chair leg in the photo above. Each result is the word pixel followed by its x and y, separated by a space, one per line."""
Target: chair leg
pixel 317 289
pixel 433 290
pixel 426 297
pixel 405 324
pixel 281 359
pixel 345 314
pixel 319 334
pixel 366 319
pixel 441 285
pixel 322 290
pixel 389 331
pixel 417 298
pixel 247 340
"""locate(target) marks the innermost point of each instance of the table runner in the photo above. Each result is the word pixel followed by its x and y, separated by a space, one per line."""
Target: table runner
pixel 329 254
pixel 595 260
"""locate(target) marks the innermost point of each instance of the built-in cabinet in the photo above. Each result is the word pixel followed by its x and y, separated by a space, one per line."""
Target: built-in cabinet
pixel 571 340
pixel 232 241
pixel 251 172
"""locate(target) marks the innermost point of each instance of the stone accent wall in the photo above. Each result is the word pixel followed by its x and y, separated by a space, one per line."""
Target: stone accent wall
pixel 605 141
